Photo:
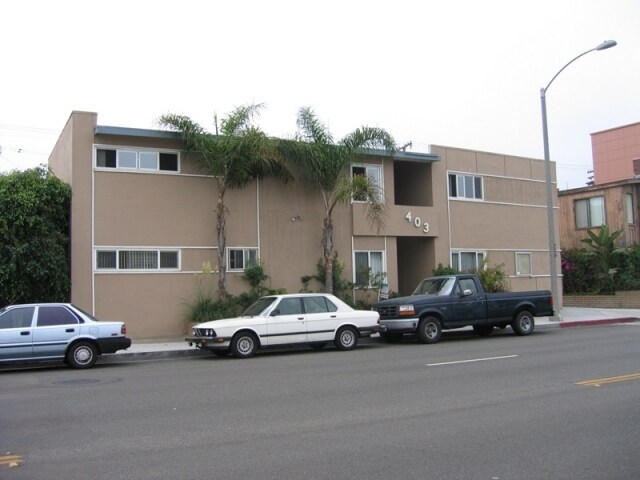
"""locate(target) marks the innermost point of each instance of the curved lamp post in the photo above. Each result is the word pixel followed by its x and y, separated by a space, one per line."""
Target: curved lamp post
pixel 553 272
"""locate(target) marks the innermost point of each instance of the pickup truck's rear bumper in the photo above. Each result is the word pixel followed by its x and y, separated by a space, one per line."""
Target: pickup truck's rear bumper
pixel 400 325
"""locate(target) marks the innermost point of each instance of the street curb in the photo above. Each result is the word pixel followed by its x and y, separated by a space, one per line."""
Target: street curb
pixel 603 321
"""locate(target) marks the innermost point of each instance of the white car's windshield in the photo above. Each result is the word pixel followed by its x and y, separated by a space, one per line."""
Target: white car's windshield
pixel 258 308
pixel 435 286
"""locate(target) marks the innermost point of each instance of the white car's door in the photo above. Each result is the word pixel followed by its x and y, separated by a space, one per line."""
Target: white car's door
pixel 16 333
pixel 55 326
pixel 321 317
pixel 286 323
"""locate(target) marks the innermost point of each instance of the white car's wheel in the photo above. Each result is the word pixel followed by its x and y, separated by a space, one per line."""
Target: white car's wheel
pixel 346 338
pixel 244 345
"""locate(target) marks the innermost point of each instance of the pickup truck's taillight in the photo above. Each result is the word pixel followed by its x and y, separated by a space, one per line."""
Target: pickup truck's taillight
pixel 123 329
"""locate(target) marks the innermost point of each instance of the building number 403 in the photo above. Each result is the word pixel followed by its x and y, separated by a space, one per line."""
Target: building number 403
pixel 417 222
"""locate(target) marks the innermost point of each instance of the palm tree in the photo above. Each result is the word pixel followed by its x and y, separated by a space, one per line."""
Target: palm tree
pixel 235 157
pixel 604 247
pixel 325 164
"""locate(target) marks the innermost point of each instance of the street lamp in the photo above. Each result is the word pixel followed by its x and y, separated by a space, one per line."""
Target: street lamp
pixel 553 273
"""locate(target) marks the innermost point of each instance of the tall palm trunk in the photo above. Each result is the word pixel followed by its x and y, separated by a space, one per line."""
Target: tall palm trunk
pixel 327 246
pixel 221 217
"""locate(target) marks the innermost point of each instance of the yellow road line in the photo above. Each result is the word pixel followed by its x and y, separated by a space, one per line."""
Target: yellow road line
pixel 606 380
pixel 11 460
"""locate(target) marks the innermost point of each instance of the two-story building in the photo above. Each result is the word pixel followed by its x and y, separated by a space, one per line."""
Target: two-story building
pixel 614 197
pixel 143 222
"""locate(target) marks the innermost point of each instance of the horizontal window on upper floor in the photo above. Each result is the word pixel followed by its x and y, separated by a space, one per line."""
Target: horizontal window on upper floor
pixel 465 186
pixel 147 259
pixel 137 159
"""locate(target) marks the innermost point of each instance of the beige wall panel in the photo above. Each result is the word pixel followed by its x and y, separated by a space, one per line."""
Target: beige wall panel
pixel 396 222
pixel 141 209
pixel 291 232
pixel 81 210
pixel 481 225
pixel 521 192
pixel 490 164
pixel 192 259
pixel 518 167
pixel 146 302
pixel 369 243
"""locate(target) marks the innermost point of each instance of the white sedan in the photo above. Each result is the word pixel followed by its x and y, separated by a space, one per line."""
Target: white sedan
pixel 307 318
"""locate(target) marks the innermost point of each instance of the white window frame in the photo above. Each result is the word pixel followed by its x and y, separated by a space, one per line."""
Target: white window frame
pixel 138 152
pixel 480 257
pixel 246 257
pixel 369 170
pixel 591 208
pixel 461 187
pixel 523 255
pixel 117 252
pixel 373 274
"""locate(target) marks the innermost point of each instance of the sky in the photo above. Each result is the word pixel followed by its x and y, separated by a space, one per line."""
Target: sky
pixel 459 73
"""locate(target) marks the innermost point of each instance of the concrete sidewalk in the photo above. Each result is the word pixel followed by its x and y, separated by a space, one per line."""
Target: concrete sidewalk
pixel 568 317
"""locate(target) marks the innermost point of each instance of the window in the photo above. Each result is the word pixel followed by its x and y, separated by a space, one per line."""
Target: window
pixel 466 284
pixel 318 305
pixel 372 172
pixel 289 306
pixel 465 186
pixel 368 269
pixel 629 204
pixel 136 159
pixel 467 261
pixel 523 263
pixel 239 259
pixel 19 317
pixel 52 316
pixel 589 212
pixel 137 260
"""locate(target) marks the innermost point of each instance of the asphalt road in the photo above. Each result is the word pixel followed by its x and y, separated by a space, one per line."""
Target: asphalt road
pixel 496 408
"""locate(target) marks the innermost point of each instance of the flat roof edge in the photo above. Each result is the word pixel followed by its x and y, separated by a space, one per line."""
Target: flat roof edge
pixel 136 132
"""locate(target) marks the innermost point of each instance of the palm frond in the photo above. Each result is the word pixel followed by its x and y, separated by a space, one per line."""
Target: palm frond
pixel 311 129
pixel 240 119
pixel 369 137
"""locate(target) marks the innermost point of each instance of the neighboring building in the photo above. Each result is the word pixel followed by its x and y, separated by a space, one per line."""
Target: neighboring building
pixel 143 223
pixel 616 154
pixel 614 199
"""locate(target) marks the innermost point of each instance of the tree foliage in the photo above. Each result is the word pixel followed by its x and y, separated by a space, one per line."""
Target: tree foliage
pixel 235 157
pixel 325 164
pixel 34 237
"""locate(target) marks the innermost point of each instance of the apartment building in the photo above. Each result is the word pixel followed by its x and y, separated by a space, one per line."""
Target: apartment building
pixel 143 222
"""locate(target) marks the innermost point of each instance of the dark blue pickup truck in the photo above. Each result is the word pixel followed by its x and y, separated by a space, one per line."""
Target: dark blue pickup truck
pixel 455 301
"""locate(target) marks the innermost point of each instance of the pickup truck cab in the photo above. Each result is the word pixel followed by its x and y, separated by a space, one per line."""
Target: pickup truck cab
pixel 455 301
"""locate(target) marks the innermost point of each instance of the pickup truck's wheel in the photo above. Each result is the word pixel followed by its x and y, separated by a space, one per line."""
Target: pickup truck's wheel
pixel 523 324
pixel 346 339
pixel 391 337
pixel 483 330
pixel 244 345
pixel 429 330
pixel 82 355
